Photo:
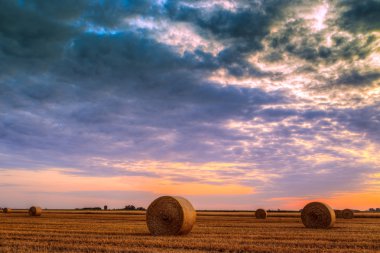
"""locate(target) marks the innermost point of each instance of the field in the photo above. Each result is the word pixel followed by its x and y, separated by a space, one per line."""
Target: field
pixel 63 231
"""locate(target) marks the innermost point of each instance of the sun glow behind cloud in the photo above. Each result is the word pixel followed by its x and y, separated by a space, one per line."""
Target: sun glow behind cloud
pixel 181 36
pixel 320 16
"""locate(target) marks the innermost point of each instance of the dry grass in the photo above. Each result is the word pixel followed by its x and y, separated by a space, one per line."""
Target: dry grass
pixel 127 232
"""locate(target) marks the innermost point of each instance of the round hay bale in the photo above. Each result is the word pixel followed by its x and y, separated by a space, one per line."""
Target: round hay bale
pixel 35 211
pixel 338 214
pixel 7 210
pixel 169 215
pixel 347 214
pixel 261 214
pixel 318 215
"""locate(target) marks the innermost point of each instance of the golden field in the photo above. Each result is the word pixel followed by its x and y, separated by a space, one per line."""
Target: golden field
pixel 123 231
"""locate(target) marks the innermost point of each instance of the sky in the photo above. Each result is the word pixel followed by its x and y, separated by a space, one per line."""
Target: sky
pixel 231 104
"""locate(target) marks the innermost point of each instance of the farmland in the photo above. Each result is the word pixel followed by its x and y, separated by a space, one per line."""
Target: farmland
pixel 73 231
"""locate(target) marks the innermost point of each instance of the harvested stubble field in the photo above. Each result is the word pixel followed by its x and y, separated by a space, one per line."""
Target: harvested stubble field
pixel 63 231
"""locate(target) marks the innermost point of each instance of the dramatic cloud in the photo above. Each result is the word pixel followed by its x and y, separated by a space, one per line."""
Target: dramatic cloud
pixel 360 16
pixel 226 102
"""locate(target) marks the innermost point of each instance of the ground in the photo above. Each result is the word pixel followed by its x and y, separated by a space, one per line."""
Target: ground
pixel 70 231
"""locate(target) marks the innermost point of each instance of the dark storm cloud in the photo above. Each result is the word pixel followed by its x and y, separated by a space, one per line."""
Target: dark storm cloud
pixel 250 22
pixel 63 10
pixel 126 89
pixel 355 78
pixel 108 13
pixel 28 39
pixel 241 31
pixel 311 47
pixel 296 38
pixel 35 34
pixel 360 16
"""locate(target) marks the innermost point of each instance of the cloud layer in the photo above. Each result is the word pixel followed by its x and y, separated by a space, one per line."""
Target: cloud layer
pixel 274 100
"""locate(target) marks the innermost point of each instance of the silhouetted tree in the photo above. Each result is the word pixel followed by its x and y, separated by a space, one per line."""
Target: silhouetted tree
pixel 130 207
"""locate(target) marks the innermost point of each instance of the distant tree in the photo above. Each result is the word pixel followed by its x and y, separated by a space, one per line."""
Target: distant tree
pixel 130 207
pixel 377 209
pixel 140 208
pixel 90 208
pixel 372 209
